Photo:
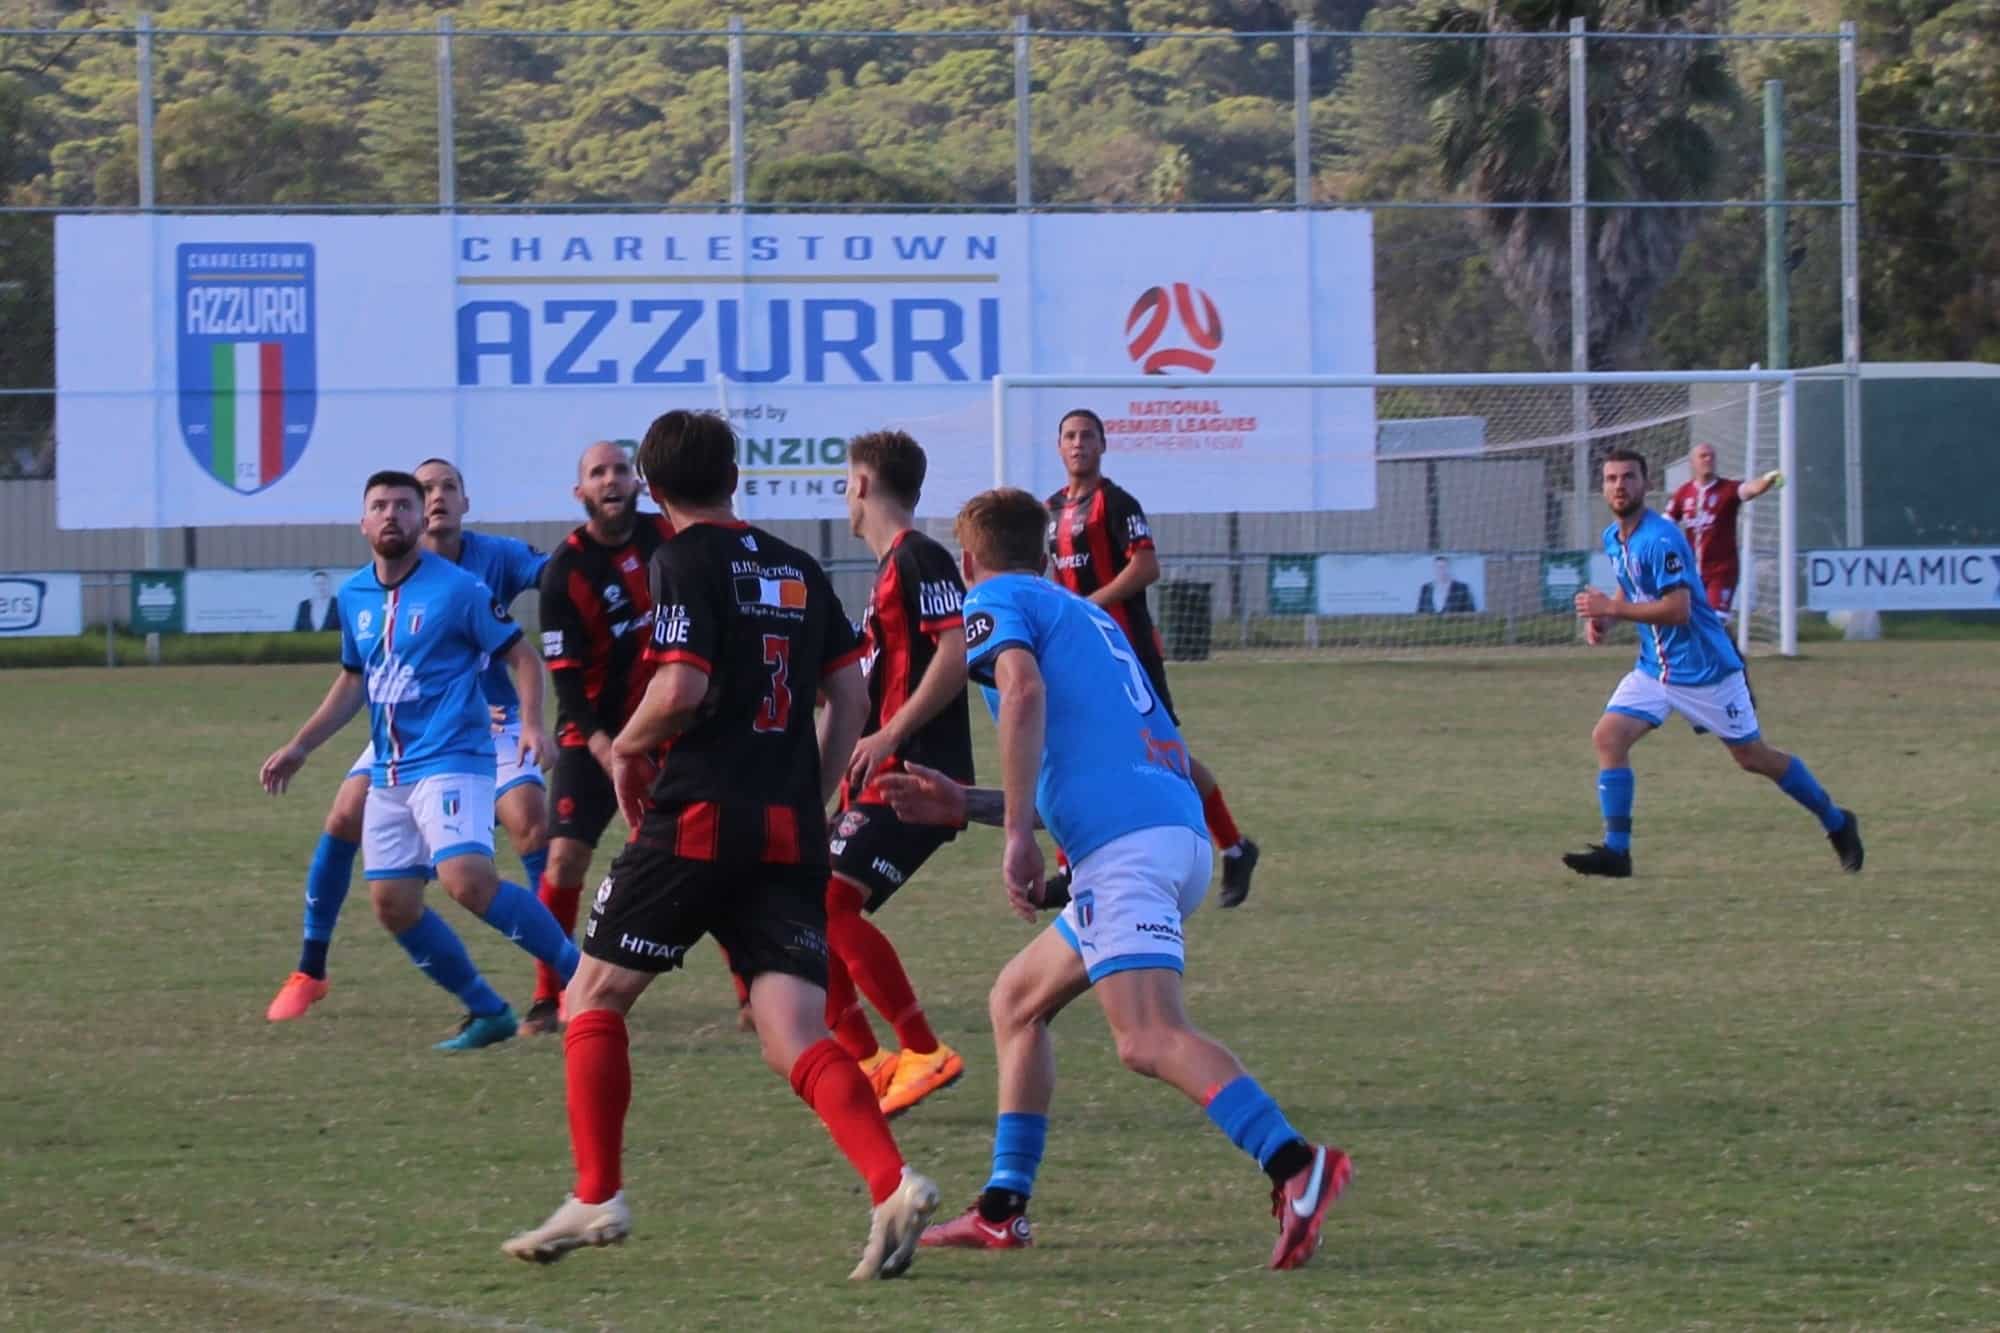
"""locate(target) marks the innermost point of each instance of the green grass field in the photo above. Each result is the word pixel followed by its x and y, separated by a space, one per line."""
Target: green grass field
pixel 1738 1091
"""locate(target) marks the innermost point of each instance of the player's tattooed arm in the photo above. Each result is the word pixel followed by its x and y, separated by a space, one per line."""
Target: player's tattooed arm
pixel 987 805
pixel 923 795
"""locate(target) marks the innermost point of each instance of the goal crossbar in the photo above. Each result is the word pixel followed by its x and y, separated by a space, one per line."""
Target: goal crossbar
pixel 1781 384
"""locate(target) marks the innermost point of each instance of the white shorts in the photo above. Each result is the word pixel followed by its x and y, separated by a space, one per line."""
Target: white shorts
pixel 509 771
pixel 1725 707
pixel 1129 897
pixel 407 831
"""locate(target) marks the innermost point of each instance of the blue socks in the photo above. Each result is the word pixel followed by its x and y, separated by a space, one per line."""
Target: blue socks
pixel 536 864
pixel 326 889
pixel 436 949
pixel 1253 1122
pixel 1614 798
pixel 1799 784
pixel 1018 1140
pixel 520 916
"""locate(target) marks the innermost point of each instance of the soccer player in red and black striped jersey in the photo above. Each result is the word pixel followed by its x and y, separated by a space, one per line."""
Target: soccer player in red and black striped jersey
pixel 730 839
pixel 597 611
pixel 1102 548
pixel 915 642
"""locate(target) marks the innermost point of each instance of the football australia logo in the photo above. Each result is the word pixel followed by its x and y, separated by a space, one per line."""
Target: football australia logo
pixel 1173 328
pixel 248 383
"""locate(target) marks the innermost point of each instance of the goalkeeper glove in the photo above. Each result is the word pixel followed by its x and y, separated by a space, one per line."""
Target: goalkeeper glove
pixel 1772 480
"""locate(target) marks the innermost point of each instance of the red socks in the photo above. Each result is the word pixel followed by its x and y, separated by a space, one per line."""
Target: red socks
pixel 828 1080
pixel 872 964
pixel 561 900
pixel 844 1018
pixel 598 1069
pixel 1222 828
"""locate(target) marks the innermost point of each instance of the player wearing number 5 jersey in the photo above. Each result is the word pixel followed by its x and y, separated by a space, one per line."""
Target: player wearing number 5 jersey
pixel 1103 550
pixel 730 841
pixel 1686 665
pixel 1088 750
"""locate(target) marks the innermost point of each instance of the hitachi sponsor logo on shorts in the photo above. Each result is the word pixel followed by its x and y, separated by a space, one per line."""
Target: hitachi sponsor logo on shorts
pixel 645 948
pixel 887 870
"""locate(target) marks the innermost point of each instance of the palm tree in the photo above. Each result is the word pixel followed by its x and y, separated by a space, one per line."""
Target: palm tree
pixel 1500 120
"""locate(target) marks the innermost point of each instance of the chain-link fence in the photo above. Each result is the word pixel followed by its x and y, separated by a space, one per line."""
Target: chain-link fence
pixel 1553 199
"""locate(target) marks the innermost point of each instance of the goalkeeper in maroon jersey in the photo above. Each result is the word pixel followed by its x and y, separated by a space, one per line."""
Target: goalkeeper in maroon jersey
pixel 1101 548
pixel 914 635
pixel 1706 509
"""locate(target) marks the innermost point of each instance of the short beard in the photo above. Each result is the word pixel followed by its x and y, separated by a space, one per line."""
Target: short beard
pixel 1630 509
pixel 393 548
pixel 622 526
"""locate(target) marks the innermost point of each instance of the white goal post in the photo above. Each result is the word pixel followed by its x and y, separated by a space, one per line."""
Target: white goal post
pixel 1400 513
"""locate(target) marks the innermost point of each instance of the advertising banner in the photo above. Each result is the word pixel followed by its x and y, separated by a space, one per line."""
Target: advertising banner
pixel 1291 585
pixel 40 605
pixel 1948 578
pixel 253 601
pixel 1567 573
pixel 159 596
pixel 1401 585
pixel 249 369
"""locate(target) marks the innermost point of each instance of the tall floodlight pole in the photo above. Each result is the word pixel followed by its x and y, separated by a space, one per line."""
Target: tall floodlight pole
pixel 1579 289
pixel 447 113
pixel 1850 279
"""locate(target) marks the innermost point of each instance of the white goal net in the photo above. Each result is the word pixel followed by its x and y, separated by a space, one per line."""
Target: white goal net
pixel 1398 514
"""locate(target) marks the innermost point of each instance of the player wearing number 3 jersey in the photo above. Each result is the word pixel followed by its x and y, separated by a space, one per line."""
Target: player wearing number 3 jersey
pixel 730 841
pixel 1088 750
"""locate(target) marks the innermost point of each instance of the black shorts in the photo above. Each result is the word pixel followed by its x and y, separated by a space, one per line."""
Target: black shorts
pixel 1156 674
pixel 654 906
pixel 581 800
pixel 878 851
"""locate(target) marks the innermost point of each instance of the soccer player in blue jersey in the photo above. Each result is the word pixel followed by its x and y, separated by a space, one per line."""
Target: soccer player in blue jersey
pixel 508 567
pixel 416 631
pixel 1088 751
pixel 1686 665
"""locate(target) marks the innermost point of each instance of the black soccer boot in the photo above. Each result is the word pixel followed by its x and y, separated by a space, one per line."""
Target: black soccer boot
pixel 1236 874
pixel 1846 842
pixel 1600 860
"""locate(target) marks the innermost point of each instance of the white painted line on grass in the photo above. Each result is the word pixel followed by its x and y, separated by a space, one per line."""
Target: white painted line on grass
pixel 270 1286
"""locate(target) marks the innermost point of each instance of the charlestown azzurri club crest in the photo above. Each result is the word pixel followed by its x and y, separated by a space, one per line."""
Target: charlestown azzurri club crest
pixel 248 383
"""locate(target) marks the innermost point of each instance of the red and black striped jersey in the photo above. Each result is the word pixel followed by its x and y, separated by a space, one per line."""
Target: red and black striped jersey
pixel 1091 540
pixel 918 597
pixel 758 615
pixel 597 611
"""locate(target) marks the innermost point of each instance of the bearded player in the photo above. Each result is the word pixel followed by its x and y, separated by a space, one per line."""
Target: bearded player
pixel 508 567
pixel 597 612
pixel 1686 665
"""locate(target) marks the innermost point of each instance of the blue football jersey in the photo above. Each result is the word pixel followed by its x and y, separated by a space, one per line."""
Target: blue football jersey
pixel 509 567
pixel 1112 762
pixel 422 645
pixel 1653 563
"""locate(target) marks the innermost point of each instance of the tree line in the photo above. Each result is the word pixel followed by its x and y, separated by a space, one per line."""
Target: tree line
pixel 928 119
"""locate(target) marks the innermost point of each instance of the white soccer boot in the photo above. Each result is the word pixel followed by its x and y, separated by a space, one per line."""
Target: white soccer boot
pixel 894 1227
pixel 571 1227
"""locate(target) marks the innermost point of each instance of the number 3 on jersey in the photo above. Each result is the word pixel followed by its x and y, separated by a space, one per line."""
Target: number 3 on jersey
pixel 775 713
pixel 1138 690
